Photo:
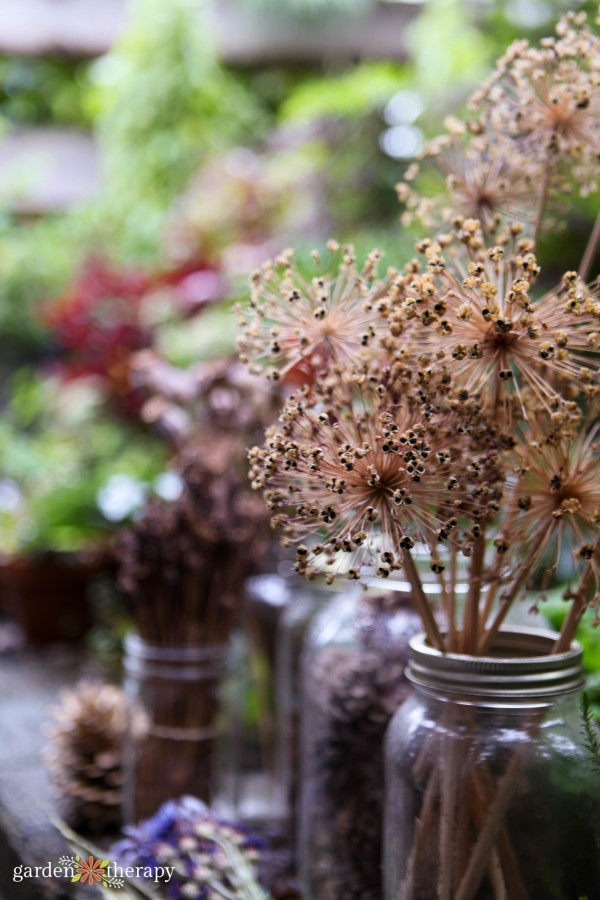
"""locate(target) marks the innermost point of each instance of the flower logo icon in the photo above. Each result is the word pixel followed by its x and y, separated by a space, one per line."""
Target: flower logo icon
pixel 90 870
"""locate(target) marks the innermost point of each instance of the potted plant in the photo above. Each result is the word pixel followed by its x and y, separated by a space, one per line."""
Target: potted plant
pixel 68 476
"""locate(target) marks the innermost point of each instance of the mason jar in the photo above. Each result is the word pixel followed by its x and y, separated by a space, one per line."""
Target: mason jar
pixel 175 728
pixel 490 792
pixel 352 682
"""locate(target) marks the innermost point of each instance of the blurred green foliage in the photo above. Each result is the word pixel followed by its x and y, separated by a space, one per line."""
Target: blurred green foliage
pixel 44 91
pixel 58 452
pixel 208 336
pixel 555 609
pixel 354 92
pixel 36 262
pixel 449 56
pixel 162 101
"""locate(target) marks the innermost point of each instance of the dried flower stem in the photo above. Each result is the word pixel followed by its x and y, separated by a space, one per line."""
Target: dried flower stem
pixel 489 832
pixel 496 877
pixel 452 635
pixel 463 841
pixel 471 618
pixel 543 197
pixel 422 831
pixel 484 790
pixel 447 809
pixel 578 605
pixel 507 602
pixel 421 603
pixel 590 250
pixel 447 594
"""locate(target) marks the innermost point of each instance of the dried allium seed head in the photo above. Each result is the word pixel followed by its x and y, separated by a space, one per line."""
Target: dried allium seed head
pixel 478 314
pixel 373 479
pixel 297 328
pixel 480 178
pixel 558 496
pixel 547 101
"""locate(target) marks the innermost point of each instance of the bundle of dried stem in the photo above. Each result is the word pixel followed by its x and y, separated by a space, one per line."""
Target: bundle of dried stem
pixel 451 405
pixel 442 402
pixel 183 564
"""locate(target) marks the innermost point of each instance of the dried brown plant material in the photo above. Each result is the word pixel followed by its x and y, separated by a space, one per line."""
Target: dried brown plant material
pixel 475 310
pixel 463 350
pixel 296 328
pixel 184 562
pixel 558 498
pixel 546 99
pixel 84 756
pixel 473 176
pixel 362 477
pixel 372 479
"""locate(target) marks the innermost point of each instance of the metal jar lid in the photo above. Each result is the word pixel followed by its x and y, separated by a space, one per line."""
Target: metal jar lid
pixel 520 665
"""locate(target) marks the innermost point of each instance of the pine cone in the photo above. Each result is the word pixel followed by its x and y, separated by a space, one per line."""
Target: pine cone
pixel 84 755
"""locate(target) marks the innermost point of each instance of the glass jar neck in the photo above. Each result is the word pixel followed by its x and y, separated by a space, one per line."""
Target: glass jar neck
pixel 179 662
pixel 520 668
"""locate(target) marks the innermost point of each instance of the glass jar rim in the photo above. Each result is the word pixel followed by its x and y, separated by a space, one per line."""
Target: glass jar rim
pixel 520 664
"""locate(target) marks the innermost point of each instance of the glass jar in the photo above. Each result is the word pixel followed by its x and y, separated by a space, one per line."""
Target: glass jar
pixel 171 745
pixel 352 683
pixel 489 793
pixel 309 599
pixel 249 789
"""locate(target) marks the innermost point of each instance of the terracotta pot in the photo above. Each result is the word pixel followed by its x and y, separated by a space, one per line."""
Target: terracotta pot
pixel 46 595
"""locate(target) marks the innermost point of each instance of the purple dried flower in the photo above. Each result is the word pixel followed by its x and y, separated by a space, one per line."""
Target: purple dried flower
pixel 186 835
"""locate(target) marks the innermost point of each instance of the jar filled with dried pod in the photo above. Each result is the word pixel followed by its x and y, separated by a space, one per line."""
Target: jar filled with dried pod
pixel 353 681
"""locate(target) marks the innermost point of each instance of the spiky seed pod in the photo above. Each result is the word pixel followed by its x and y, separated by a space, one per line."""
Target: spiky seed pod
pixel 558 498
pixel 370 477
pixel 84 755
pixel 476 311
pixel 546 100
pixel 478 177
pixel 296 329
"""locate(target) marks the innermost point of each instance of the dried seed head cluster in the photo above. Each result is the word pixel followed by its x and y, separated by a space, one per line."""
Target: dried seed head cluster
pixel 373 478
pixel 422 387
pixel 558 497
pixel 476 178
pixel 476 311
pixel 546 99
pixel 297 328
pixel 535 131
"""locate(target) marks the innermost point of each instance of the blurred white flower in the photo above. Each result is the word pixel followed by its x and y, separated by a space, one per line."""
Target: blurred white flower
pixel 121 496
pixel 168 485
pixel 10 495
